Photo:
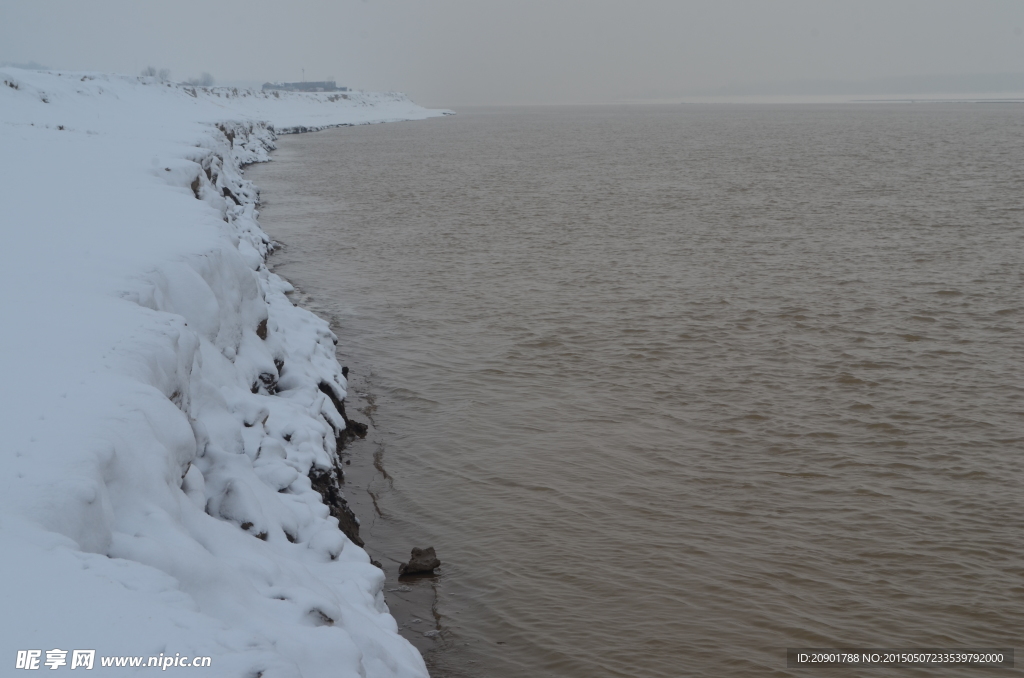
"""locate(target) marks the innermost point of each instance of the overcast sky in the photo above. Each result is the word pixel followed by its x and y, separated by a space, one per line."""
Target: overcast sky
pixel 450 52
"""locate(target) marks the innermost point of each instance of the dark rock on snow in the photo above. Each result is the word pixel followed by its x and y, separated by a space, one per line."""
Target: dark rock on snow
pixel 352 428
pixel 328 484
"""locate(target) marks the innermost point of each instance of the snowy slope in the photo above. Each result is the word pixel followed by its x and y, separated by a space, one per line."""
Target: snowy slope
pixel 166 405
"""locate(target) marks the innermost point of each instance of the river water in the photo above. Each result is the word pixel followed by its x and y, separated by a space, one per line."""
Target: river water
pixel 673 388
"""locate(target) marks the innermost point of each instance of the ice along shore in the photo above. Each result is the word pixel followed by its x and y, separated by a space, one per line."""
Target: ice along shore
pixel 170 423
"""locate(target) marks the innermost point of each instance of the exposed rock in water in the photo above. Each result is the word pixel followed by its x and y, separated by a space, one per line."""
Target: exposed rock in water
pixel 328 484
pixel 357 428
pixel 423 561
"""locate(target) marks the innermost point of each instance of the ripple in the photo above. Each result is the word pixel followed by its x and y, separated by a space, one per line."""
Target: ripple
pixel 664 382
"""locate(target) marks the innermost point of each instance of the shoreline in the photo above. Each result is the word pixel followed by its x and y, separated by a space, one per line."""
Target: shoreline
pixel 301 227
pixel 163 481
pixel 408 599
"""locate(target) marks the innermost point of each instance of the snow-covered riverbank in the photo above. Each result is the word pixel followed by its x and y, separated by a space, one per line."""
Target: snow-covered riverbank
pixel 166 406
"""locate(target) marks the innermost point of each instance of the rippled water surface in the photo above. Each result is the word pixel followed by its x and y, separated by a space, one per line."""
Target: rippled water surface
pixel 671 389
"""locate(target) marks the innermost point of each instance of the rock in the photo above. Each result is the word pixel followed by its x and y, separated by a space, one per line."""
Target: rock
pixel 226 192
pixel 320 618
pixel 357 428
pixel 269 383
pixel 328 484
pixel 352 428
pixel 423 561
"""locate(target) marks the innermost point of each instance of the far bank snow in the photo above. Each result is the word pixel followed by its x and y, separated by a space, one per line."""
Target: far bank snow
pixel 166 405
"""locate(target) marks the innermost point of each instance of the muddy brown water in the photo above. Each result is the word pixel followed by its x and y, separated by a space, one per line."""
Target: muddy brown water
pixel 673 388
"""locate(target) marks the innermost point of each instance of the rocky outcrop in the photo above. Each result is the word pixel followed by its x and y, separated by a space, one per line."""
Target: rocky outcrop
pixel 353 429
pixel 328 484
pixel 422 561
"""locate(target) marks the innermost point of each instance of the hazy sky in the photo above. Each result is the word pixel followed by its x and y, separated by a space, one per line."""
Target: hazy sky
pixel 449 52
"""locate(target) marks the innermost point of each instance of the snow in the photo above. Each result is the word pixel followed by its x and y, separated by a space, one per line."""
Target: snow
pixel 150 501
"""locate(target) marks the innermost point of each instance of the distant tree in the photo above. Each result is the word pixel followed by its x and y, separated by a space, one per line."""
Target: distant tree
pixel 204 80
pixel 164 74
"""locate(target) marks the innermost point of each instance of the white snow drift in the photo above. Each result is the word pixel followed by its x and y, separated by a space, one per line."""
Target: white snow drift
pixel 163 401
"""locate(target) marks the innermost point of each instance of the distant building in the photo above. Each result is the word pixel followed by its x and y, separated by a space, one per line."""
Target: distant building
pixel 321 86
